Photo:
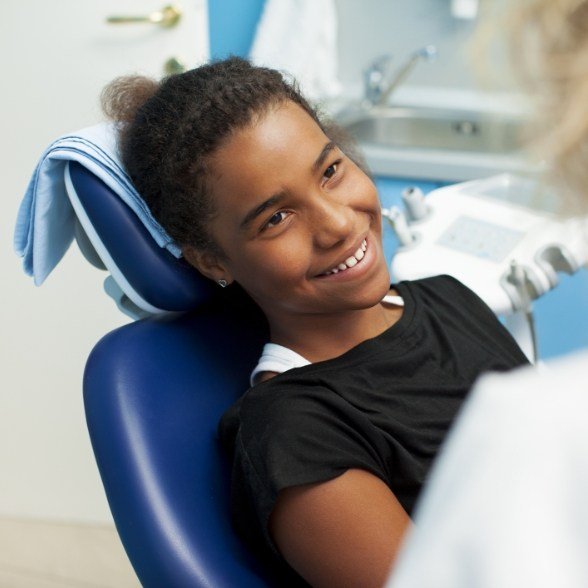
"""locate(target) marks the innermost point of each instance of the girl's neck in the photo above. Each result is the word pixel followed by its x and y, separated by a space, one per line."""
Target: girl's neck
pixel 322 337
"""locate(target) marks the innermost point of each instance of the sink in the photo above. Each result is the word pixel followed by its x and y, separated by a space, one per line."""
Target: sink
pixel 443 144
pixel 423 128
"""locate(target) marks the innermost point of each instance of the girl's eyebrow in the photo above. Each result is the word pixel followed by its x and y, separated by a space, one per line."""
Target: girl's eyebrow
pixel 323 155
pixel 255 212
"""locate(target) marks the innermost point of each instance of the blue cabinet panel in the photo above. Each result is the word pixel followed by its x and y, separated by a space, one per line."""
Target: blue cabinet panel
pixel 232 25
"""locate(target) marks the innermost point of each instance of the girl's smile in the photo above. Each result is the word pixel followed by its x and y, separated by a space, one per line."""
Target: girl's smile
pixel 351 265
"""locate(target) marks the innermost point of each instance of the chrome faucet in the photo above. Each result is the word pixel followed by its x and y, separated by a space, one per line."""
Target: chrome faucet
pixel 379 85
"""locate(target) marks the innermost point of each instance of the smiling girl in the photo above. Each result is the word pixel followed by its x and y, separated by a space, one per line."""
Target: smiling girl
pixel 359 382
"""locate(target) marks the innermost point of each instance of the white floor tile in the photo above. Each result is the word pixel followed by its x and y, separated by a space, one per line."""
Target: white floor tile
pixel 39 554
pixel 23 580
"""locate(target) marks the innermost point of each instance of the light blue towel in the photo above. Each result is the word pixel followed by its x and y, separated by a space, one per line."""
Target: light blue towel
pixel 46 220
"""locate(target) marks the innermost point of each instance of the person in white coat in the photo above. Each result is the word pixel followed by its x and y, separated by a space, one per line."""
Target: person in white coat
pixel 507 501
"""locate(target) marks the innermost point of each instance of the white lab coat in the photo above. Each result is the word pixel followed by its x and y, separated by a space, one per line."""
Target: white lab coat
pixel 507 501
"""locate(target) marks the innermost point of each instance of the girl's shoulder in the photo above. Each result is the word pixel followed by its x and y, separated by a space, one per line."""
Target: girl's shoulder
pixel 435 286
pixel 444 292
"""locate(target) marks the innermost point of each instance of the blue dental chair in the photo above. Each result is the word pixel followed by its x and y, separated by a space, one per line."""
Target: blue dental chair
pixel 154 391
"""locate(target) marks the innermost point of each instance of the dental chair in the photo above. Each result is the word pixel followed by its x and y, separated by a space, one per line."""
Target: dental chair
pixel 154 391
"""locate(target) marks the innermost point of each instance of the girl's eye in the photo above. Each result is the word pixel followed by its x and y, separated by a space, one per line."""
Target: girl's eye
pixel 276 219
pixel 331 170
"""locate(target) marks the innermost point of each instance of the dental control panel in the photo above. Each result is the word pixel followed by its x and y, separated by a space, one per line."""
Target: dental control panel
pixel 500 236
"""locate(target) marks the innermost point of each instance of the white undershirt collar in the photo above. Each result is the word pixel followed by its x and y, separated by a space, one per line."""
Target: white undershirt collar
pixel 279 359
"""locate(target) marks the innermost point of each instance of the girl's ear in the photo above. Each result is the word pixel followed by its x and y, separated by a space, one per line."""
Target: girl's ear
pixel 207 263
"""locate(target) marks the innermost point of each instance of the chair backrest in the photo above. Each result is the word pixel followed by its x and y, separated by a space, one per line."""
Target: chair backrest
pixel 148 278
pixel 154 391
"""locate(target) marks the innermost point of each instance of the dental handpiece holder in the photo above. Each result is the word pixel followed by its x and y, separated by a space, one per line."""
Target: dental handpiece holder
pixel 500 236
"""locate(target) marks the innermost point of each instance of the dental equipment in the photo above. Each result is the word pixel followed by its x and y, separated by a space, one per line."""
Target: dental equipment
pixel 415 204
pixel 399 225
pixel 500 236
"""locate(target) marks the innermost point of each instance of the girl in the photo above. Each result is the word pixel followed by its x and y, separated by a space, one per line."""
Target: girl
pixel 360 383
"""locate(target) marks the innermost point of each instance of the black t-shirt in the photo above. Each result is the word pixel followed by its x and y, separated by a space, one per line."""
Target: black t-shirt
pixel 384 406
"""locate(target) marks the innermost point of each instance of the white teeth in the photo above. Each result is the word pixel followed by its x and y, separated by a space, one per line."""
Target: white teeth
pixel 350 261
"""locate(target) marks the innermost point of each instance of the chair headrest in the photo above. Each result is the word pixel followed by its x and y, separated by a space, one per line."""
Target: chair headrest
pixel 151 279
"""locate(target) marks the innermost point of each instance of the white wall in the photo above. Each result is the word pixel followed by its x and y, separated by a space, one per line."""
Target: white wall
pixel 47 468
pixel 372 28
pixel 55 56
pixel 46 465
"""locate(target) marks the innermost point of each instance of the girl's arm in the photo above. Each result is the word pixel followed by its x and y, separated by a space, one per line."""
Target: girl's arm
pixel 344 532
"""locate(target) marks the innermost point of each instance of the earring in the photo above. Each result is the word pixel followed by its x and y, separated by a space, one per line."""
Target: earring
pixel 222 283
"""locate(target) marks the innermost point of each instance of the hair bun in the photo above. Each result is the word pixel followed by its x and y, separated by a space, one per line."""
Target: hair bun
pixel 124 96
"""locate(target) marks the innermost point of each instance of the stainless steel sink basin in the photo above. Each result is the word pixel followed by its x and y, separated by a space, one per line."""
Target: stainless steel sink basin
pixel 422 128
pixel 444 143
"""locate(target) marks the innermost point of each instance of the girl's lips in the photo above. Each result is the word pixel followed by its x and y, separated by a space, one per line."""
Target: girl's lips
pixel 360 268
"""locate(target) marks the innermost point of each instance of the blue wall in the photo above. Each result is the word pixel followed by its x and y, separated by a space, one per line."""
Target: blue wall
pixel 232 25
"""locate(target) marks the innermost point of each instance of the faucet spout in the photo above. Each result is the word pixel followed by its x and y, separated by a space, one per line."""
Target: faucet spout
pixel 379 94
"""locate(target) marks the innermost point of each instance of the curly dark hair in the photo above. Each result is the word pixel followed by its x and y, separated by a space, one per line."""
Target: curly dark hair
pixel 168 128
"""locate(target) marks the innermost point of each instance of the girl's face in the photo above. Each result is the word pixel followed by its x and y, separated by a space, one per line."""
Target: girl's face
pixel 292 211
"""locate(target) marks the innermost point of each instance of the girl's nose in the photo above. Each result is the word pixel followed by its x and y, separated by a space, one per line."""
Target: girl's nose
pixel 333 222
